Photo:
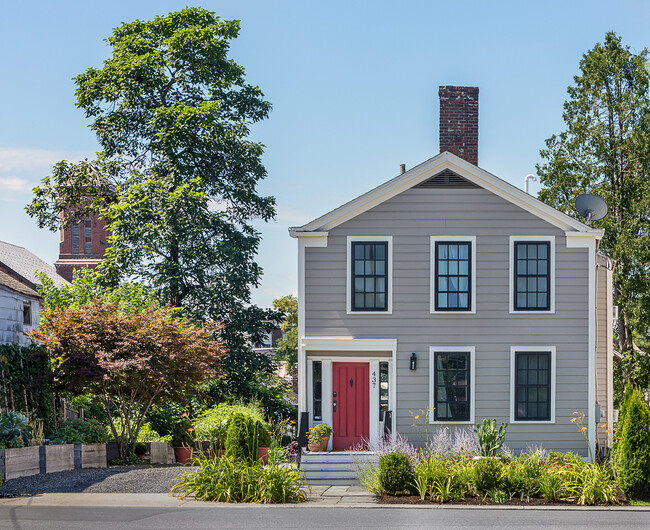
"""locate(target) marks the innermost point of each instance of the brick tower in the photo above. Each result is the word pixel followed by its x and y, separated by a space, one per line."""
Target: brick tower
pixel 82 245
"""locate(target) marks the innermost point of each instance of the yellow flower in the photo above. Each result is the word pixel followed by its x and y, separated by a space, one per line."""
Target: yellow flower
pixel 583 429
pixel 607 430
pixel 417 417
pixel 573 420
pixel 190 429
pixel 184 415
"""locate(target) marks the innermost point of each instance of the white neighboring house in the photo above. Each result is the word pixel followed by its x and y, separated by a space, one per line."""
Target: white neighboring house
pixel 19 299
pixel 19 309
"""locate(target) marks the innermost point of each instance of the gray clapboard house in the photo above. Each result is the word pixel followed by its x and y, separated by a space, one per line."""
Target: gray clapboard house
pixel 448 288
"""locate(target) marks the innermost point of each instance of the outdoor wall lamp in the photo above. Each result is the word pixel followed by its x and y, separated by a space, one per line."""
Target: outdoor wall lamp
pixel 414 361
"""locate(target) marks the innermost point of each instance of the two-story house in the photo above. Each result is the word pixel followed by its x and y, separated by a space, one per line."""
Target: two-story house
pixel 448 288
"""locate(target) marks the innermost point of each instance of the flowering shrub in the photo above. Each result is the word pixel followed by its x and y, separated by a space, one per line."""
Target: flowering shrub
pixel 82 431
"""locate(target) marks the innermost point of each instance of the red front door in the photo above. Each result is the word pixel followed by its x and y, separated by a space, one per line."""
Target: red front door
pixel 350 404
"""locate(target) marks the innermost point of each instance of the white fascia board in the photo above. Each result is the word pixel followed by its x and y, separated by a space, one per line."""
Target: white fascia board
pixel 583 239
pixel 310 239
pixel 426 170
pixel 348 344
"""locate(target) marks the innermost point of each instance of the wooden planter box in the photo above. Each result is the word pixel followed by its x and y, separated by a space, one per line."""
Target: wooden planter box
pixel 55 458
pixel 90 455
pixel 19 462
pixel 158 452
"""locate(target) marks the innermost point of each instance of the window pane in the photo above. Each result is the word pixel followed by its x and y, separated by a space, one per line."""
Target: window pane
pixel 358 251
pixel 453 267
pixel 541 285
pixel 532 251
pixel 380 267
pixel 521 251
pixel 380 252
pixel 542 267
pixel 370 300
pixel 359 268
pixel 359 285
pixel 463 301
pixel 442 251
pixel 442 267
pixel 381 301
pixel 370 285
pixel 380 285
pixel 463 251
pixel 463 284
pixel 532 300
pixel 453 251
pixel 521 300
pixel 463 267
pixel 453 300
pixel 523 377
pixel 370 268
pixel 532 284
pixel 358 301
pixel 521 284
pixel 542 251
pixel 521 267
pixel 442 283
pixel 532 267
pixel 442 300
pixel 453 284
pixel 451 377
pixel 542 300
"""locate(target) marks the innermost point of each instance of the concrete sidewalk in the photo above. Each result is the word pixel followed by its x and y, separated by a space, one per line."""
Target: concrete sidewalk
pixel 321 497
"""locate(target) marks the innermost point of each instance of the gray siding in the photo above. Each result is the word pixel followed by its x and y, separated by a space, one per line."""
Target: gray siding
pixel 604 345
pixel 411 218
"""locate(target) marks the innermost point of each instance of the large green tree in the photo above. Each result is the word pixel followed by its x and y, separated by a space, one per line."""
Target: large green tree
pixel 605 150
pixel 287 347
pixel 177 175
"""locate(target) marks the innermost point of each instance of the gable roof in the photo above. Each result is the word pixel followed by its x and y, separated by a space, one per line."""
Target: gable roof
pixel 16 284
pixel 419 174
pixel 26 264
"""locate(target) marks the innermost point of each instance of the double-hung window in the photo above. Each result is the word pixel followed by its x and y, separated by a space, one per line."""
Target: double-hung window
pixel 532 274
pixel 452 274
pixel 532 384
pixel 452 380
pixel 369 275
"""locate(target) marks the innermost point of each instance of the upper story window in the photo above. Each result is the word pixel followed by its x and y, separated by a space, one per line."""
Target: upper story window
pixel 452 274
pixel 532 383
pixel 532 274
pixel 74 229
pixel 451 384
pixel 88 236
pixel 369 274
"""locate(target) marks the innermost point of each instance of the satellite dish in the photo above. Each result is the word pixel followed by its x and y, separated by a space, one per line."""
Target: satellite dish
pixel 591 207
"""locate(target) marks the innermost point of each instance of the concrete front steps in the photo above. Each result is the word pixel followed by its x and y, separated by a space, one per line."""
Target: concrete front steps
pixel 334 468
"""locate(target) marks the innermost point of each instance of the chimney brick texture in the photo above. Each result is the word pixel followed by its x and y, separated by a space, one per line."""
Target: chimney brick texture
pixel 459 121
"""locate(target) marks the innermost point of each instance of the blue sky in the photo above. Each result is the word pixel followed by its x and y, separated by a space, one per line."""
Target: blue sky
pixel 354 88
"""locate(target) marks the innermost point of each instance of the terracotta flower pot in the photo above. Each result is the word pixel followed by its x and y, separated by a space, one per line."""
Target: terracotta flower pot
pixel 313 448
pixel 323 444
pixel 183 454
pixel 263 453
pixel 141 457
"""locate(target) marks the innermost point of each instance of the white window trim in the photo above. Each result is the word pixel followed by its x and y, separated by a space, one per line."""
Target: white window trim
pixel 513 351
pixel 511 270
pixel 389 282
pixel 472 380
pixel 433 290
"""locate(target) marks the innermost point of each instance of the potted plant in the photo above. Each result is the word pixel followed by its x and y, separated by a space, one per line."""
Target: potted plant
pixel 325 431
pixel 263 441
pixel 183 440
pixel 315 439
pixel 140 450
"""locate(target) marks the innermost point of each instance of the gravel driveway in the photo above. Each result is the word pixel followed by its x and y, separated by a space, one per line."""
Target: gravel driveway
pixel 131 479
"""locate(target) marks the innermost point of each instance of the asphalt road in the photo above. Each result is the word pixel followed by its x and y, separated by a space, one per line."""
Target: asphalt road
pixel 262 517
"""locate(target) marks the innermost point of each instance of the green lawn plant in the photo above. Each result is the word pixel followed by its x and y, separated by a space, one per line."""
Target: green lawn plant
pixel 228 479
pixel 490 439
pixel 396 474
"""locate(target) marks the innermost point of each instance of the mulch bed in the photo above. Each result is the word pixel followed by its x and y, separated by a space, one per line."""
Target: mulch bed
pixel 473 501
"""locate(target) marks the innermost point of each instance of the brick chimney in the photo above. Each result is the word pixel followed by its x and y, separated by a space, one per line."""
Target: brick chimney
pixel 459 121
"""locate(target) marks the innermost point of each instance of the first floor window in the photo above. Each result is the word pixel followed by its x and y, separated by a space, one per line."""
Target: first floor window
pixel 317 371
pixel 532 386
pixel 451 386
